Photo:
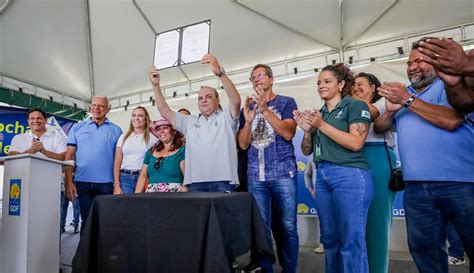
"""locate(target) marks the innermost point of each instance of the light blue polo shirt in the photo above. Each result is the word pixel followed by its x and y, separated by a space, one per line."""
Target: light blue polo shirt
pixel 429 153
pixel 95 150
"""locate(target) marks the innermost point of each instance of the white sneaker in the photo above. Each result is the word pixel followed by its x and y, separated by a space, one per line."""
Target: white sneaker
pixel 319 249
pixel 455 261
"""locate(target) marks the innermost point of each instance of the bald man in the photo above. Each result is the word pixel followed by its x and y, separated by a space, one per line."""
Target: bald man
pixel 211 154
pixel 91 143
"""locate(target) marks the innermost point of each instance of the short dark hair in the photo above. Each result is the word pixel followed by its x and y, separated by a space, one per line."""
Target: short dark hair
pixel 267 68
pixel 372 81
pixel 185 110
pixel 43 113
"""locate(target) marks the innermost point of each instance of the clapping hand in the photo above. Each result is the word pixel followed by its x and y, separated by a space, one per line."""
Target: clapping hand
pixel 249 114
pixel 444 54
pixel 298 116
pixel 313 117
pixel 395 92
pixel 260 101
pixel 36 146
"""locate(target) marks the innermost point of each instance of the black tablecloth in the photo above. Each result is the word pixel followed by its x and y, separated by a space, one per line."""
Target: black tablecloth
pixel 170 232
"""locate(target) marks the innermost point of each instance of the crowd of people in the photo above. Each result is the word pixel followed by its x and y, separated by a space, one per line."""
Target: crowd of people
pixel 351 140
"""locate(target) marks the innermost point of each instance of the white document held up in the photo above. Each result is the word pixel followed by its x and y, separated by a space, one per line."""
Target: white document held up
pixel 182 45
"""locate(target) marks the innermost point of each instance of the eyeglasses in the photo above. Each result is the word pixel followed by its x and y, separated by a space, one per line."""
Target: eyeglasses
pixel 158 162
pixel 258 76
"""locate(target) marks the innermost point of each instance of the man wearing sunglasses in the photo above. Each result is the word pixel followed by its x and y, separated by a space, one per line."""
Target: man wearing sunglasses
pixel 211 156
pixel 266 131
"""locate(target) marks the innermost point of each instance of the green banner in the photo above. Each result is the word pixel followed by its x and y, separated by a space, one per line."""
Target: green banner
pixel 28 101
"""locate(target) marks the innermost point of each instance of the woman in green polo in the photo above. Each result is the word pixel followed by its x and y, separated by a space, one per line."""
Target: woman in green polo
pixel 336 135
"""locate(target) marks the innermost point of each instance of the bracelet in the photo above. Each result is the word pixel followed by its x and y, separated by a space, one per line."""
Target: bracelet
pixel 116 183
pixel 409 101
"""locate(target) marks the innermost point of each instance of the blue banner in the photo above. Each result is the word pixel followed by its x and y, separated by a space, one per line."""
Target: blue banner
pixel 14 197
pixel 13 121
pixel 305 201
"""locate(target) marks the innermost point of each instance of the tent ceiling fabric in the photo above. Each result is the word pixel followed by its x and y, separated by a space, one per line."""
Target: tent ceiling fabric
pixel 46 41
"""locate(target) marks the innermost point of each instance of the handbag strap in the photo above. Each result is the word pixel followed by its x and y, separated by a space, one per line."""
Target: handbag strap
pixel 388 155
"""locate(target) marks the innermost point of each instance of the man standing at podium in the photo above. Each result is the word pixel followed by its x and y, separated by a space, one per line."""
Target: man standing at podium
pixel 38 140
pixel 91 143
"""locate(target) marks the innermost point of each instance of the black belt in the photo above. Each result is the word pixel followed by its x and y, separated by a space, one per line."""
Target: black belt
pixel 133 172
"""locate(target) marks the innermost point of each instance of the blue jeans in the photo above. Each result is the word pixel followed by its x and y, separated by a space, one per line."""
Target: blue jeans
pixel 279 195
pixel 64 207
pixel 343 197
pixel 86 192
pixel 128 182
pixel 455 249
pixel 214 186
pixel 429 207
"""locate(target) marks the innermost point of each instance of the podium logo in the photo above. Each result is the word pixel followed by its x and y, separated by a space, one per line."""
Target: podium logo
pixel 14 200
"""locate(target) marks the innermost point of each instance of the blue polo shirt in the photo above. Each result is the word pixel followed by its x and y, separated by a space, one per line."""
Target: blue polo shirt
pixel 429 153
pixel 95 150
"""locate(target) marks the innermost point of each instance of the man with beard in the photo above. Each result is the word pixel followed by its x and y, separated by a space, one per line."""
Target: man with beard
pixel 435 144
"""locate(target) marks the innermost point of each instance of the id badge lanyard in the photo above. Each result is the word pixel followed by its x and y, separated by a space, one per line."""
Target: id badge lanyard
pixel 318 144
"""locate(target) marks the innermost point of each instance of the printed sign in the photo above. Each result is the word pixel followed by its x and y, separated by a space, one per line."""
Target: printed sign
pixel 14 197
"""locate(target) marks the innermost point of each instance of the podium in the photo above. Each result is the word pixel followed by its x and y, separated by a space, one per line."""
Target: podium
pixel 29 241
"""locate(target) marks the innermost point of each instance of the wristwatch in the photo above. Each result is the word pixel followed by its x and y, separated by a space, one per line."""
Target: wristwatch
pixel 221 72
pixel 409 101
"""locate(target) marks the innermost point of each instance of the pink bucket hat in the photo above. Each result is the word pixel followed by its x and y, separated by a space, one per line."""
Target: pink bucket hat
pixel 157 123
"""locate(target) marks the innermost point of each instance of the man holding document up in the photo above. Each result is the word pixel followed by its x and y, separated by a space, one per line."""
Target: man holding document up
pixel 211 155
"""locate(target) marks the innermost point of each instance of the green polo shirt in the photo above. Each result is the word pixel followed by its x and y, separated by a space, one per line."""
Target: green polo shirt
pixel 346 112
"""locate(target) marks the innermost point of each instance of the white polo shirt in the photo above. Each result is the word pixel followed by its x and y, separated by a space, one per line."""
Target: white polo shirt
pixel 134 149
pixel 52 141
pixel 211 149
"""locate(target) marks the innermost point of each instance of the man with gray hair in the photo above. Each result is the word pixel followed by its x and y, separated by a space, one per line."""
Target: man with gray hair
pixel 435 144
pixel 266 131
pixel 211 154
pixel 91 143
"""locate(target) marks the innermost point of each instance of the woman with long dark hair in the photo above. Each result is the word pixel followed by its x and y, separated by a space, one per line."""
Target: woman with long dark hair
pixel 163 166
pixel 336 135
pixel 378 149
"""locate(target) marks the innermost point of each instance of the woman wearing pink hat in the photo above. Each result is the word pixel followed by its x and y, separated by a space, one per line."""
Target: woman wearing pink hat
pixel 163 165
pixel 130 150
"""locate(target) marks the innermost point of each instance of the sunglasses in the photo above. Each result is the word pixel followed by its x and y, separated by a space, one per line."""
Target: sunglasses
pixel 158 162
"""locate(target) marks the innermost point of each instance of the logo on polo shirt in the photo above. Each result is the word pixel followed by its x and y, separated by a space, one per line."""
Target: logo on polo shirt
pixel 339 114
pixel 365 114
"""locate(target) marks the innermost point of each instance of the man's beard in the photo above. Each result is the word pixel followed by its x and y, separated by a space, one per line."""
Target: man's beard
pixel 424 80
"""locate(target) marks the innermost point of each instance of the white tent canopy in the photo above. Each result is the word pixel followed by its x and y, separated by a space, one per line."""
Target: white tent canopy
pixel 74 49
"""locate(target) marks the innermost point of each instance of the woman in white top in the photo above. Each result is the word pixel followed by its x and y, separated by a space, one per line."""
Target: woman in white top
pixel 379 219
pixel 130 151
